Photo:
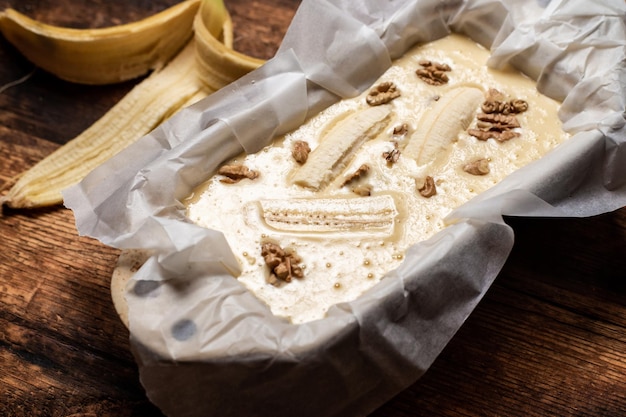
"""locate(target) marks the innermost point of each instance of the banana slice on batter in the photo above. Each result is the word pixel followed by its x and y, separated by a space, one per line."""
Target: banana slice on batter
pixel 375 214
pixel 338 147
pixel 440 126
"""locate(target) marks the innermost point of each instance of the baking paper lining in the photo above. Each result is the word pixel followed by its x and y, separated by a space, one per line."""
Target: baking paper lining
pixel 207 346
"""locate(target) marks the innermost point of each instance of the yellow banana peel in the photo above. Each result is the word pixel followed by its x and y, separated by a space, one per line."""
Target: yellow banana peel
pixel 200 65
pixel 218 63
pixel 102 56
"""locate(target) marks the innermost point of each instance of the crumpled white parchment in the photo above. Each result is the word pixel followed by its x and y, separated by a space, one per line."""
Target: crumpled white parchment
pixel 206 346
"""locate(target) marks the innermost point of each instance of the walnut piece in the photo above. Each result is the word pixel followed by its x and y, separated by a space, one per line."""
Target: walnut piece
pixel 235 173
pixel 359 173
pixel 382 93
pixel 498 118
pixel 401 130
pixel 504 107
pixel 433 73
pixel 393 155
pixel 364 190
pixel 300 151
pixel 497 121
pixel 500 136
pixel 496 102
pixel 283 263
pixel 495 94
pixel 426 187
pixel 477 167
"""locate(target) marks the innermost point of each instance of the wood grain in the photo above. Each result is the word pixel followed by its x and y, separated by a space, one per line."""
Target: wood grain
pixel 549 338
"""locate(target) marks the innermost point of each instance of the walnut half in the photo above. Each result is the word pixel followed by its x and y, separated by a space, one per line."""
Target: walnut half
pixel 383 93
pixel 433 73
pixel 498 118
pixel 497 103
pixel 500 136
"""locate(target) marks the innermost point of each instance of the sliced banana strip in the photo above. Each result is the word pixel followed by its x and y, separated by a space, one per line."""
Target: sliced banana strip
pixel 441 125
pixel 329 215
pixel 341 143
pixel 141 110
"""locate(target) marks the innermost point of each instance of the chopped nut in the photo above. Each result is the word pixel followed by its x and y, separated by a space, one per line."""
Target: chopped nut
pixel 518 105
pixel 282 271
pixel 496 121
pixel 494 94
pixel 433 73
pixel 235 173
pixel 504 107
pixel 364 190
pixel 477 167
pixel 393 155
pixel 507 135
pixel 490 106
pixel 282 263
pixel 273 254
pixel 359 173
pixel 500 136
pixel 498 118
pixel 300 151
pixel 495 102
pixel 426 187
pixel 383 93
pixel 401 130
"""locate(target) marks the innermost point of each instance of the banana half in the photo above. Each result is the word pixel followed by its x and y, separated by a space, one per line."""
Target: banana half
pixel 440 127
pixel 187 70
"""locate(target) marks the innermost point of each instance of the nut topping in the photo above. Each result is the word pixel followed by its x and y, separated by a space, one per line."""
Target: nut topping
pixel 433 73
pixel 493 134
pixel 426 187
pixel 477 167
pixel 496 103
pixel 382 93
pixel 359 173
pixel 282 263
pixel 401 130
pixel 393 155
pixel 498 120
pixel 300 151
pixel 364 190
pixel 235 173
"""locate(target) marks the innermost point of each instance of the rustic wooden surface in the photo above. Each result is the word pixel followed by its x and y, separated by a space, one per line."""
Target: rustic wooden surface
pixel 548 339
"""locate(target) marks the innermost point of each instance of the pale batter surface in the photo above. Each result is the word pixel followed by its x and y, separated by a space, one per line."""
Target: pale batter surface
pixel 340 266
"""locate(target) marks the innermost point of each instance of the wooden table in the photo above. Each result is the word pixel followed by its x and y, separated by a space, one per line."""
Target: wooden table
pixel 549 338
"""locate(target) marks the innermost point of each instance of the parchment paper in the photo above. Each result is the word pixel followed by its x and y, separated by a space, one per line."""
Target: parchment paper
pixel 206 346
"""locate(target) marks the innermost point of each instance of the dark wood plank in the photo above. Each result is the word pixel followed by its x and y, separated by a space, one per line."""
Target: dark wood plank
pixel 547 339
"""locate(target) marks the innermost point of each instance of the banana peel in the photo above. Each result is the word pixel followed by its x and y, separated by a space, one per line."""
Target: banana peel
pixel 187 65
pixel 102 56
